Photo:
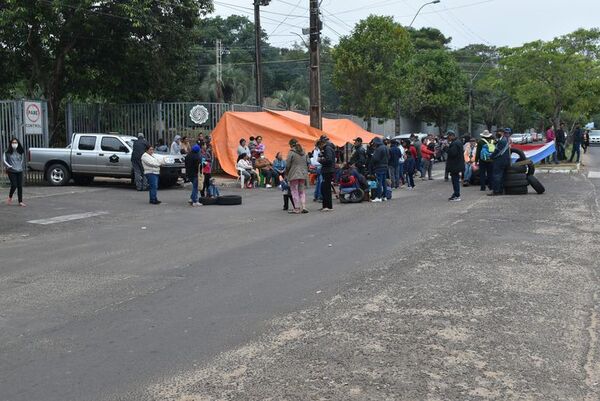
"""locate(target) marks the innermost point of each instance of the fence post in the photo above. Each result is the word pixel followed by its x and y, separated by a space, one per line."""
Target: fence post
pixel 68 121
pixel 160 125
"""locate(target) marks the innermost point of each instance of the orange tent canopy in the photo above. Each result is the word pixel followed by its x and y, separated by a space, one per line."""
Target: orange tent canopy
pixel 277 128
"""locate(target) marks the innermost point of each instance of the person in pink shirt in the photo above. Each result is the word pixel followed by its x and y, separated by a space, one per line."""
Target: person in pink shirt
pixel 551 137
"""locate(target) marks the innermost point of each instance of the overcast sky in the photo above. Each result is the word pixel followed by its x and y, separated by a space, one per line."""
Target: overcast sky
pixel 496 22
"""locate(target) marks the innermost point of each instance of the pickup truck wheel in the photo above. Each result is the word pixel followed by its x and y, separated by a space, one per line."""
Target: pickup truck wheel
pixel 58 175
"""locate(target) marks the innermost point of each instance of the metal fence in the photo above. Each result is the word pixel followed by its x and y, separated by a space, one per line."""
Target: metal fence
pixel 13 125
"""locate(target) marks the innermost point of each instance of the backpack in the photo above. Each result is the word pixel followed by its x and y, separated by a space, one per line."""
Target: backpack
pixel 347 179
pixel 486 150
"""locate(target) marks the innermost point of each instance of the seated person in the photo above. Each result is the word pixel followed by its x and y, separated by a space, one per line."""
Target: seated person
pixel 213 190
pixel 372 186
pixel 349 177
pixel 279 168
pixel 266 168
pixel 244 166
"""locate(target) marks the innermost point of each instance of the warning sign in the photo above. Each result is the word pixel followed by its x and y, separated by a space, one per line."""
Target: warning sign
pixel 33 117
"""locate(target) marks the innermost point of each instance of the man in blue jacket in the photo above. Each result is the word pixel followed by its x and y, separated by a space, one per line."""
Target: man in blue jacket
pixel 394 163
pixel 577 140
pixel 500 161
pixel 379 166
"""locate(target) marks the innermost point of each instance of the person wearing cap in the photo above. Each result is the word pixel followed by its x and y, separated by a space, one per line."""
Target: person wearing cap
pixel 139 147
pixel 192 166
pixel 485 147
pixel 455 165
pixel 359 156
pixel 379 167
pixel 500 160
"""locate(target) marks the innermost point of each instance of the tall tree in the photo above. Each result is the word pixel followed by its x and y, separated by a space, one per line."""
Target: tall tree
pixel 133 49
pixel 433 87
pixel 366 64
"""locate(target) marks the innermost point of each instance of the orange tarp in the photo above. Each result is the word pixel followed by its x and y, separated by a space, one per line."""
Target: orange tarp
pixel 277 128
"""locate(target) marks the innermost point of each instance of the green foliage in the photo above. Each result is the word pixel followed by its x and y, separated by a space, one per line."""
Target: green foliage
pixel 433 87
pixel 550 78
pixel 428 39
pixel 367 63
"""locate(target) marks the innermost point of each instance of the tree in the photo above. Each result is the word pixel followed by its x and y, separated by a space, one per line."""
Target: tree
pixel 550 78
pixel 118 50
pixel 366 65
pixel 428 38
pixel 433 87
pixel 291 99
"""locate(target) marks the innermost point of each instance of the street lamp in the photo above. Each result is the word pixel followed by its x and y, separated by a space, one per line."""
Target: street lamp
pixel 398 117
pixel 419 10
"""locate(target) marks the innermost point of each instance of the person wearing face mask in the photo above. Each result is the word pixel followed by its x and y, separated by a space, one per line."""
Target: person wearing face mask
pixel 14 162
pixel 500 161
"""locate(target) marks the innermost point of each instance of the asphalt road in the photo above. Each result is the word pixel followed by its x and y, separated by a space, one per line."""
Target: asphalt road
pixel 417 298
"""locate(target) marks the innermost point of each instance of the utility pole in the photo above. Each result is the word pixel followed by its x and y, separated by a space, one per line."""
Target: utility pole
pixel 219 53
pixel 257 34
pixel 316 117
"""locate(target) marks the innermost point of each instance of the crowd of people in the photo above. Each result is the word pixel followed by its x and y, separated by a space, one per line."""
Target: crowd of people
pixel 580 139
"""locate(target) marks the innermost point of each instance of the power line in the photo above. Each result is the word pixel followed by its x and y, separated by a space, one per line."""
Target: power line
pixel 286 18
pixel 263 11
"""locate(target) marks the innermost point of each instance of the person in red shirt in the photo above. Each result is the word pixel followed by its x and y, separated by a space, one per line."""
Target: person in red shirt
pixel 426 157
pixel 410 163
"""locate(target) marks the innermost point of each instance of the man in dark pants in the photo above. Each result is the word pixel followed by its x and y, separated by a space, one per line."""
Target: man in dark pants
pixel 485 166
pixel 379 167
pixel 359 156
pixel 327 160
pixel 561 139
pixel 501 161
pixel 455 164
pixel 139 147
pixel 577 140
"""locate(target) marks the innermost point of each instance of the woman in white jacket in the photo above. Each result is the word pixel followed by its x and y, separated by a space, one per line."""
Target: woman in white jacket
pixel 152 171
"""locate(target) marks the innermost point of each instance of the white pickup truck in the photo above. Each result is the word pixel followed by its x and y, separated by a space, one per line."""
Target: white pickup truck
pixel 97 155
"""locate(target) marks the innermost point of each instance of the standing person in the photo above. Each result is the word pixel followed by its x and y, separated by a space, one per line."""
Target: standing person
pixel 316 166
pixel 206 160
pixel 577 140
pixel 296 172
pixel 427 159
pixel 586 140
pixel 176 146
pixel 394 163
pixel 14 163
pixel 501 160
pixel 379 166
pixel 551 137
pixel 242 148
pixel 161 147
pixel 327 160
pixel 561 139
pixel 469 155
pixel 192 164
pixel 359 156
pixel 185 146
pixel 418 162
pixel 485 148
pixel 455 164
pixel 152 171
pixel 139 147
pixel 411 157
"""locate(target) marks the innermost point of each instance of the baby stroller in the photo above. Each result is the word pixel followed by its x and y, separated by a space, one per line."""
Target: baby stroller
pixel 350 190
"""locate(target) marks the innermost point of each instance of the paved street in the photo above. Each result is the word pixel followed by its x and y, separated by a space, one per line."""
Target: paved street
pixel 104 297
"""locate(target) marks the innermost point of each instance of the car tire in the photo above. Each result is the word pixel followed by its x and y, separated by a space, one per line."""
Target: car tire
pixel 356 196
pixel 229 200
pixel 522 190
pixel 206 201
pixel 516 169
pixel 520 153
pixel 58 175
pixel 536 184
pixel 530 169
pixel 515 180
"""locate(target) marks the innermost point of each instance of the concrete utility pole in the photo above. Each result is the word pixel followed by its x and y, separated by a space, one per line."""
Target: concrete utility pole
pixel 316 117
pixel 219 54
pixel 257 34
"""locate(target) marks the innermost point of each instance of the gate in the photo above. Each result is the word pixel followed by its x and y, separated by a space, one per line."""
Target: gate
pixel 28 122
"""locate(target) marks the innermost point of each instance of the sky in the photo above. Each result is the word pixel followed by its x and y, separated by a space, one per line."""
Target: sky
pixel 493 22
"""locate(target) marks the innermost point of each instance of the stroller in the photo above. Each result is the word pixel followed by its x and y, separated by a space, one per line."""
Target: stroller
pixel 350 188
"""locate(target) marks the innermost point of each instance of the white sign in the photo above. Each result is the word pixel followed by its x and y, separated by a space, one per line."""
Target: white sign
pixel 199 114
pixel 33 118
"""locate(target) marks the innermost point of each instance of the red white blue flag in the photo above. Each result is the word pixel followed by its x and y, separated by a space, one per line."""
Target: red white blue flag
pixel 536 153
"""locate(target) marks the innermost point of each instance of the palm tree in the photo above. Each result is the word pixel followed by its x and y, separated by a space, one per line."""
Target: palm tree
pixel 236 86
pixel 290 99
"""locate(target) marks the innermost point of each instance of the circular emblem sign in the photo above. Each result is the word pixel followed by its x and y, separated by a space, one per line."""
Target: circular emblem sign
pixel 199 114
pixel 33 113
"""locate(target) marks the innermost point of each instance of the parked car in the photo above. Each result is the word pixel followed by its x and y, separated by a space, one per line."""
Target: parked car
pixel 595 136
pixel 519 138
pixel 97 155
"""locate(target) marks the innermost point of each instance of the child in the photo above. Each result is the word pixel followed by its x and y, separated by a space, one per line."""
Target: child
pixel 287 197
pixel 372 182
pixel 388 189
pixel 213 190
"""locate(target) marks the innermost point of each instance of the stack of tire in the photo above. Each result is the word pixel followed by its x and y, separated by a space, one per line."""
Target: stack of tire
pixel 520 175
pixel 225 200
